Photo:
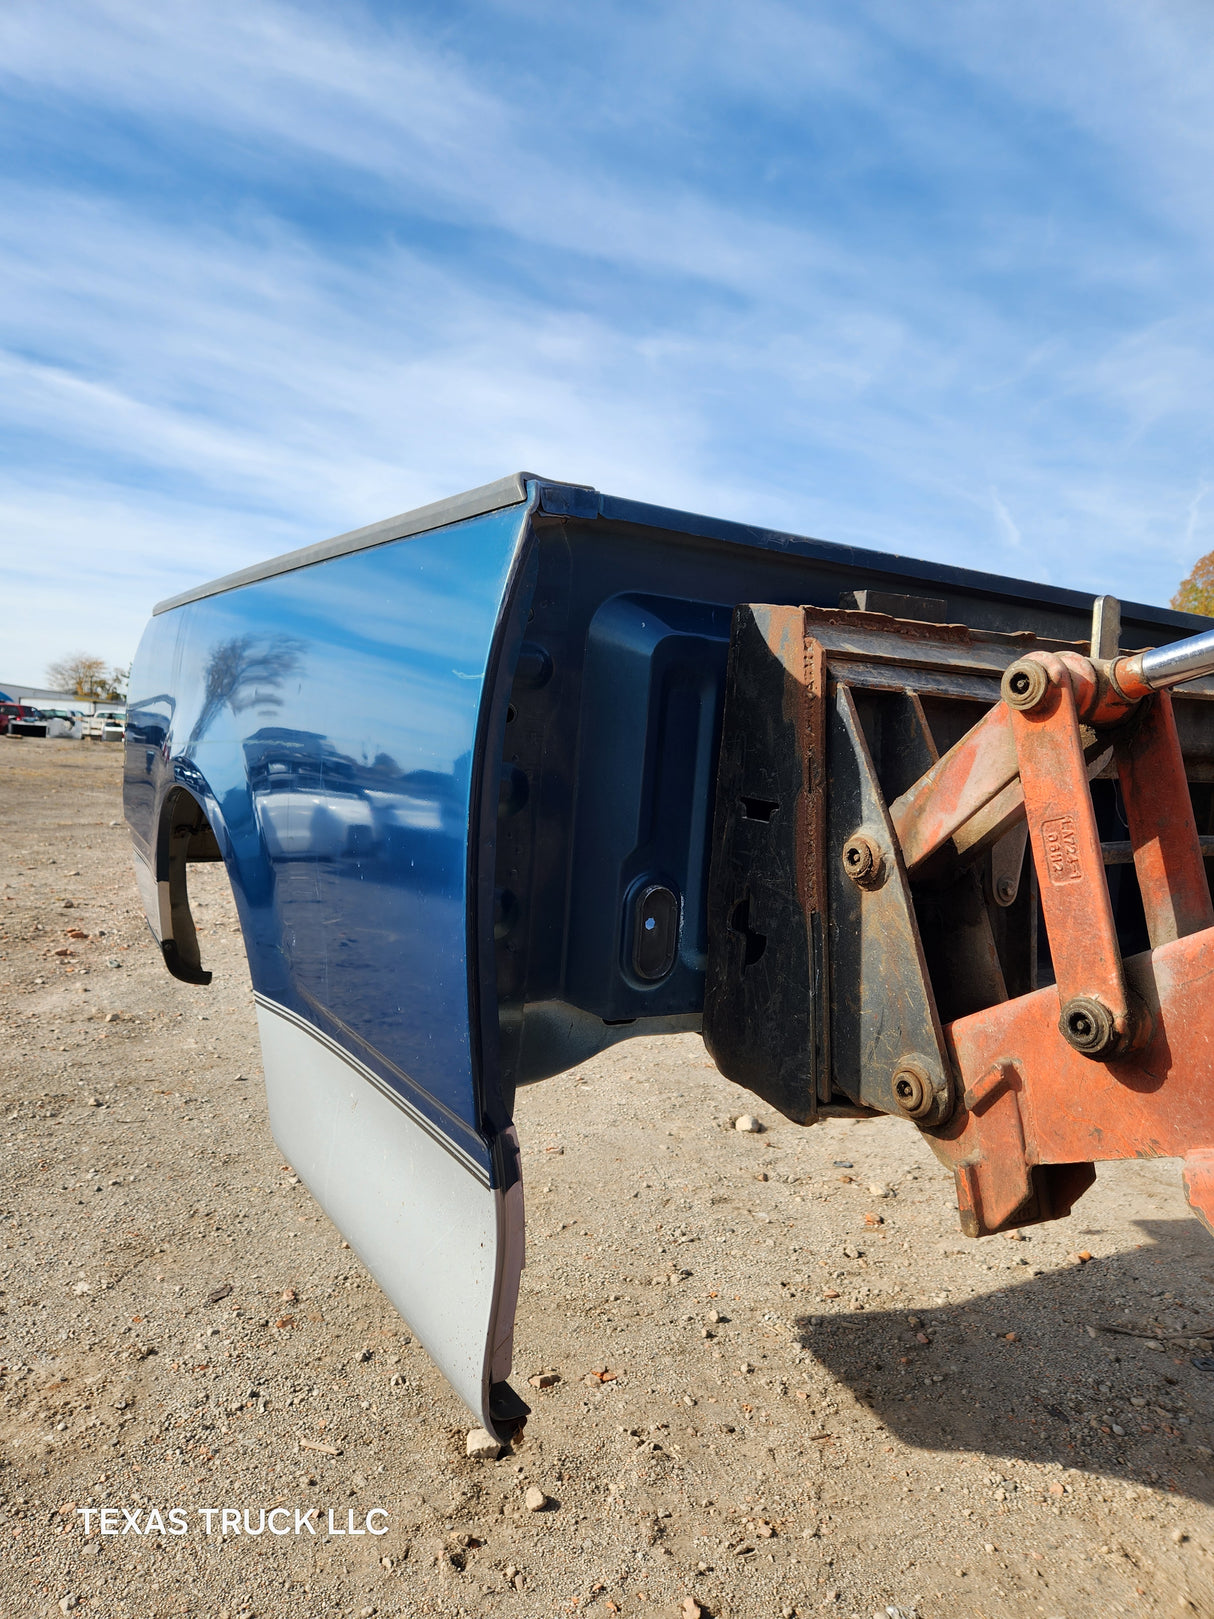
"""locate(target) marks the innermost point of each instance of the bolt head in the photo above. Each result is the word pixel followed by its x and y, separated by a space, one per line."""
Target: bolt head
pixel 863 861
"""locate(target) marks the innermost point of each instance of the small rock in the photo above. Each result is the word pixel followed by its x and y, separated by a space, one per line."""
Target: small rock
pixel 748 1124
pixel 95 1101
pixel 482 1446
pixel 746 1368
pixel 877 1190
pixel 1178 1539
pixel 535 1500
pixel 689 1608
pixel 544 1380
pixel 67 1603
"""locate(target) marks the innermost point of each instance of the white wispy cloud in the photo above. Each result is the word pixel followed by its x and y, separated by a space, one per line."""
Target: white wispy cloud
pixel 269 271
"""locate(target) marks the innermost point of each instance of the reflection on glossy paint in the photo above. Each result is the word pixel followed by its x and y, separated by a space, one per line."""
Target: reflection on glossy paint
pixel 244 672
pixel 344 820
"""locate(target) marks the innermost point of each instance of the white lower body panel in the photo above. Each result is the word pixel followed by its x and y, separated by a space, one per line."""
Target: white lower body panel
pixel 446 1247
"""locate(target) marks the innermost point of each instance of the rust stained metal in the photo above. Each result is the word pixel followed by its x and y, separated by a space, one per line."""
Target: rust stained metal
pixel 1163 831
pixel 973 795
pixel 1070 866
pixel 883 1010
pixel 1022 1096
pixel 1157 1102
pixel 803 660
pixel 810 698
pixel 766 1019
pixel 1037 1108
pixel 981 767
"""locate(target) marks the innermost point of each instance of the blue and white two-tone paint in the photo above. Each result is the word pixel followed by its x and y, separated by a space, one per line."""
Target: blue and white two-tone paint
pixel 346 826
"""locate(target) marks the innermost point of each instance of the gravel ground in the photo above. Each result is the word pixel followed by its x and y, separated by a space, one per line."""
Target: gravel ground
pixel 779 1381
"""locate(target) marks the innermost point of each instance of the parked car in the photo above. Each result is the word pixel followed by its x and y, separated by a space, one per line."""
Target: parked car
pixel 105 726
pixel 61 723
pixel 21 719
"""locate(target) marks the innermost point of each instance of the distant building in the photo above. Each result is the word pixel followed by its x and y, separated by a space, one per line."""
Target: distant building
pixel 42 697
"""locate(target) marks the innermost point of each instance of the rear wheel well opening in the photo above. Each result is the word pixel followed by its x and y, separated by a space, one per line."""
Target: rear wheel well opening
pixel 186 836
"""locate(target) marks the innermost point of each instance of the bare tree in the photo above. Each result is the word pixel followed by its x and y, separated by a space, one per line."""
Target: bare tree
pixel 83 675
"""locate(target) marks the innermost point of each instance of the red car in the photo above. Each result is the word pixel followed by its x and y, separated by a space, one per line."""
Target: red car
pixel 19 719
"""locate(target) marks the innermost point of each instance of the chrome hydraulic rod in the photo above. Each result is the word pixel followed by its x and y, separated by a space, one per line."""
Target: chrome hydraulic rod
pixel 1165 665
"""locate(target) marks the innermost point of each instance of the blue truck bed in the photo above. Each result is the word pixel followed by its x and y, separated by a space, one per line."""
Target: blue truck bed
pixel 460 767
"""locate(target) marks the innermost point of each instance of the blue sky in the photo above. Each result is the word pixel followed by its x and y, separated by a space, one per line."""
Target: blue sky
pixel 932 278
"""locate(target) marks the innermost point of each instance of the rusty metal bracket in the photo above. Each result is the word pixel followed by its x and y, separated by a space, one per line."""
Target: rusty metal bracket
pixel 878 781
pixel 765 998
pixel 887 1045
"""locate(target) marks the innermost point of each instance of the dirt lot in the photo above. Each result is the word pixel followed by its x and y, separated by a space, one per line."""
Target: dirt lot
pixel 786 1383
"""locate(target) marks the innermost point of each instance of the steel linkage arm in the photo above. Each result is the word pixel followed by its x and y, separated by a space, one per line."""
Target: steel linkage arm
pixel 1116 1059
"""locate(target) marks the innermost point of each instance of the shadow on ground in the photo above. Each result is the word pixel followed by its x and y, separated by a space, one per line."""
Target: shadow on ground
pixel 1036 1396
